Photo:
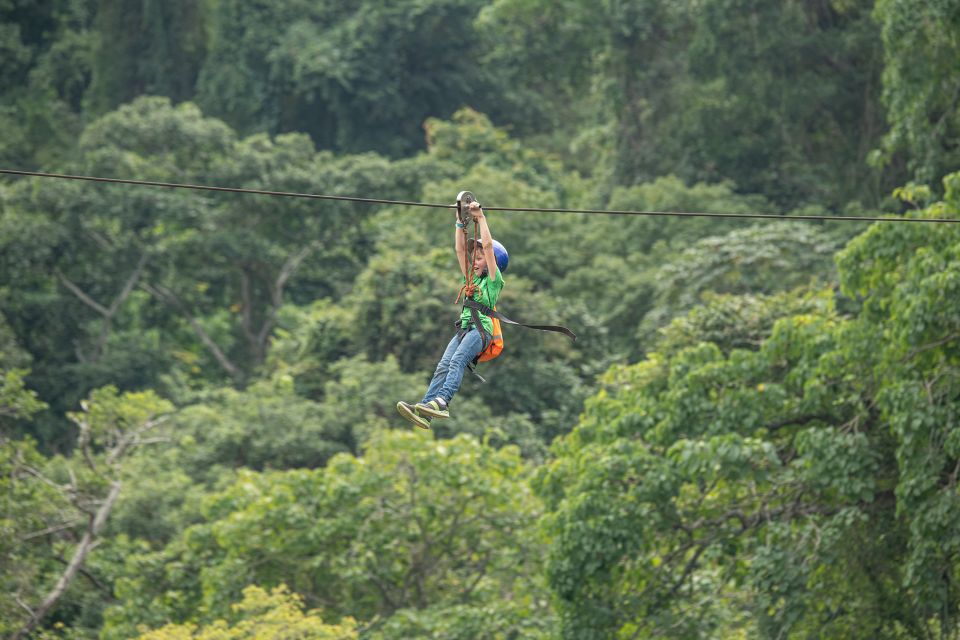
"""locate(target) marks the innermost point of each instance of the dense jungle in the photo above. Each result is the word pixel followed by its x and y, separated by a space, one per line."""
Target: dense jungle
pixel 756 433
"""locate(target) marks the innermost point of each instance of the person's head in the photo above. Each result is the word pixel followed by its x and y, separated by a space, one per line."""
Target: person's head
pixel 479 260
pixel 499 253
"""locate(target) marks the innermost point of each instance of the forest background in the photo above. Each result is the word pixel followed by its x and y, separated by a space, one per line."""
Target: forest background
pixel 755 435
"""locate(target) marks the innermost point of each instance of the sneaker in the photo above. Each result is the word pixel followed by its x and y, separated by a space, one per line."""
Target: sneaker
pixel 436 408
pixel 409 412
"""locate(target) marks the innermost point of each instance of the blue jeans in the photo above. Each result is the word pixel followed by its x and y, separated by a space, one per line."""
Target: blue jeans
pixel 449 374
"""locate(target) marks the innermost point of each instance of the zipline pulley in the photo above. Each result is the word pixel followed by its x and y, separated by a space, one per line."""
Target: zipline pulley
pixel 464 198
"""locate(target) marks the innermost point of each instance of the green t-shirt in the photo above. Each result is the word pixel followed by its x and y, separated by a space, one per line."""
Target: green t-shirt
pixel 487 292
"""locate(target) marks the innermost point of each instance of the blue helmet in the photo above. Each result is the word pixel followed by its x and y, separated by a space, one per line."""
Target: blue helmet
pixel 501 255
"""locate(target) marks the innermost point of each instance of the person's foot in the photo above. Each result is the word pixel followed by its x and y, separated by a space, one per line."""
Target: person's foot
pixel 409 412
pixel 436 408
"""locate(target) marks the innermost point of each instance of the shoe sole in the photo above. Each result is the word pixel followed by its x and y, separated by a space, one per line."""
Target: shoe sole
pixel 423 409
pixel 408 412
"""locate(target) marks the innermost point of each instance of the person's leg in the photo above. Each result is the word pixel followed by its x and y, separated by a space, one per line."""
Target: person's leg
pixel 409 411
pixel 469 348
pixel 443 367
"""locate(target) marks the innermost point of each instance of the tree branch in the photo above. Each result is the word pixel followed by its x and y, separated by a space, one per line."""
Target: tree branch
pixel 132 438
pixel 481 572
pixel 77 291
pixel 164 294
pixel 99 308
pixel 92 578
pixel 42 478
pixel 129 285
pixel 933 345
pixel 87 543
pixel 23 604
pixel 797 420
pixel 49 530
pixel 247 308
pixel 83 440
pixel 289 268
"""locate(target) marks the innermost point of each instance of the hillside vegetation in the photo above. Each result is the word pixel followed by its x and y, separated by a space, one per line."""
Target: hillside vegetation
pixel 755 435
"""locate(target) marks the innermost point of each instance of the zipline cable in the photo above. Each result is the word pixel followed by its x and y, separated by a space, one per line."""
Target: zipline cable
pixel 407 203
pixel 203 187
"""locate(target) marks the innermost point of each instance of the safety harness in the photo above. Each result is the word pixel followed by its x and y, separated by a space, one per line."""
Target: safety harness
pixel 467 291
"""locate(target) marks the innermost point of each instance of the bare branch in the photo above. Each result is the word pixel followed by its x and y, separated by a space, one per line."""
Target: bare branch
pixel 164 294
pixel 132 439
pixel 117 301
pixel 92 578
pixel 73 480
pixel 87 544
pixel 101 240
pixel 77 291
pixel 247 307
pixel 796 420
pixel 83 440
pixel 289 268
pixel 130 284
pixel 39 476
pixel 49 530
pixel 23 604
pixel 99 308
pixel 933 345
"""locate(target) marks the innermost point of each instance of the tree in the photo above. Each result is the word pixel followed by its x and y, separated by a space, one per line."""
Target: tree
pixel 921 89
pixel 781 101
pixel 146 48
pixel 278 614
pixel 413 534
pixel 357 78
pixel 85 492
pixel 193 284
pixel 17 402
pixel 803 485
pixel 762 259
pixel 46 52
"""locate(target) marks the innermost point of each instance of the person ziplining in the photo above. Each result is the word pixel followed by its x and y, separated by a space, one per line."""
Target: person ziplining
pixel 478 338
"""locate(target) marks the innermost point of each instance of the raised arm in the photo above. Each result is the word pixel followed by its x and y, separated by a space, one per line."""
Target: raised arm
pixel 460 245
pixel 486 240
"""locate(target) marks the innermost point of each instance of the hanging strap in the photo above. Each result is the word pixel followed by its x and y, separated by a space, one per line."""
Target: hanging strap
pixel 461 332
pixel 479 325
pixel 475 306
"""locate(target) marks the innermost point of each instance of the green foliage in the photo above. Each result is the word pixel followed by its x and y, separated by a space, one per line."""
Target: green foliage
pixel 27 508
pixel 909 280
pixel 761 259
pixel 415 531
pixel 17 401
pixel 739 321
pixel 277 615
pixel 195 282
pixel 52 511
pixel 269 425
pixel 45 47
pixel 920 85
pixel 804 487
pixel 146 48
pixel 780 100
pixel 758 453
pixel 356 78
